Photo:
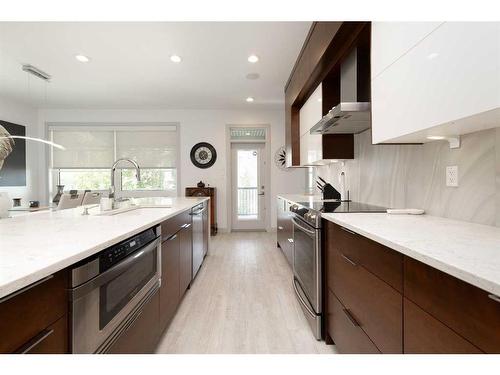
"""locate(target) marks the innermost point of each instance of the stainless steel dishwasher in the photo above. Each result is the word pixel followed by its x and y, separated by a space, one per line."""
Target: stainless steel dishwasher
pixel 200 235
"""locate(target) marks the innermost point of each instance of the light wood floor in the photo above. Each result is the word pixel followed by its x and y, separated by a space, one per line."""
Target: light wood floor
pixel 242 301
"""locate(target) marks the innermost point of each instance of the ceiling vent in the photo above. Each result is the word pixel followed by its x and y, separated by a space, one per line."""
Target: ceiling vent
pixel 36 72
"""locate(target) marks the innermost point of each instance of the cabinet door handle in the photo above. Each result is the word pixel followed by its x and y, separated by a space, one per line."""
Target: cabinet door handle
pixel 494 297
pixel 34 341
pixel 348 260
pixel 351 318
pixel 348 231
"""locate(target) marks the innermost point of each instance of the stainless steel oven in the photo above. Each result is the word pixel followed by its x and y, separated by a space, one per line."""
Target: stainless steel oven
pixel 307 265
pixel 109 289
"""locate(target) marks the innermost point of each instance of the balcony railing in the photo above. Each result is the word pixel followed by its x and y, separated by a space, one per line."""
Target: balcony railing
pixel 248 201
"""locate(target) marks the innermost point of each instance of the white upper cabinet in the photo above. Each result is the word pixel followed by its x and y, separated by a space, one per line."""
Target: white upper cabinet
pixel 311 144
pixel 448 83
pixel 391 40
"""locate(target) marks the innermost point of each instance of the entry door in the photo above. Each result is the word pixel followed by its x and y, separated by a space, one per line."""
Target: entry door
pixel 248 186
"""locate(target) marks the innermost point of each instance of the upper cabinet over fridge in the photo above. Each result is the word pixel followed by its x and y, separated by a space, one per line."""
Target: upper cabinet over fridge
pixel 433 79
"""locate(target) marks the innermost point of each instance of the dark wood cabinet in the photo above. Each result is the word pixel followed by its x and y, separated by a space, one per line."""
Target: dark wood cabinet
pixel 401 304
pixel 176 264
pixel 383 262
pixel 423 334
pixel 464 308
pixel 345 330
pixel 376 306
pixel 143 332
pixel 35 318
pixel 169 290
pixel 185 258
pixel 207 192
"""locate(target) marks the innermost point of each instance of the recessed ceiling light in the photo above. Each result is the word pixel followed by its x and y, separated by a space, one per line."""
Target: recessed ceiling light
pixel 175 58
pixel 435 137
pixel 82 58
pixel 249 99
pixel 253 59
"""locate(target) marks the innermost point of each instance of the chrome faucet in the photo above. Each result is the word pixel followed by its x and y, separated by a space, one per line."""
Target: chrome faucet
pixel 112 188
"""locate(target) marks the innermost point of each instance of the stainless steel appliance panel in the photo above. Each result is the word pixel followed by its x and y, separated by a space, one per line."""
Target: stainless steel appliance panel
pixel 200 235
pixel 100 306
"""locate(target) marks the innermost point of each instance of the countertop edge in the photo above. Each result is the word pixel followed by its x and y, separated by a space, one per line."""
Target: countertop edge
pixel 23 282
pixel 473 279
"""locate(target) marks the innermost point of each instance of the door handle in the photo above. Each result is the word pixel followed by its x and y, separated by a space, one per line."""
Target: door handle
pixel 353 321
pixel 261 193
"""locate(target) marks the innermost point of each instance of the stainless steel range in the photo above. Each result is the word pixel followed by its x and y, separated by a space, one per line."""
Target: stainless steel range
pixel 307 255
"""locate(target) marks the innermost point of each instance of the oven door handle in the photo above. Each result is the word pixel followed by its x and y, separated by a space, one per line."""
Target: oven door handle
pixel 308 231
pixel 302 301
pixel 114 271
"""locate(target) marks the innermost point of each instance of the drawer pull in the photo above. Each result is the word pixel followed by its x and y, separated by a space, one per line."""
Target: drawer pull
pixel 494 297
pixel 351 262
pixel 34 341
pixel 348 231
pixel 351 318
pixel 280 228
pixel 4 299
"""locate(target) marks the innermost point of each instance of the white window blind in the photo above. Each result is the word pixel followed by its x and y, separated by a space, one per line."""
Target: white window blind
pixel 99 146
pixel 150 149
pixel 84 149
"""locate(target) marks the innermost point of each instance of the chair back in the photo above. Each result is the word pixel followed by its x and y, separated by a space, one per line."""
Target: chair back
pixel 70 201
pixel 91 197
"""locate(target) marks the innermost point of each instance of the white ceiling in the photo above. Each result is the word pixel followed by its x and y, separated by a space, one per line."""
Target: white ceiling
pixel 130 63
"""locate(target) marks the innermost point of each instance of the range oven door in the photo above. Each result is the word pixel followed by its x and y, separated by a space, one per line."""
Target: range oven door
pixel 307 272
pixel 101 305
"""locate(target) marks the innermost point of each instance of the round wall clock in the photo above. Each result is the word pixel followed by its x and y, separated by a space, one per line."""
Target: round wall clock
pixel 203 155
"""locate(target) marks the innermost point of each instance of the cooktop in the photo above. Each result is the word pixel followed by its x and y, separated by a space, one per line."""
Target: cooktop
pixel 341 206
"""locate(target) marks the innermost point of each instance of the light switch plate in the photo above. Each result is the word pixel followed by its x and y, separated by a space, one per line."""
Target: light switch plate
pixel 452 176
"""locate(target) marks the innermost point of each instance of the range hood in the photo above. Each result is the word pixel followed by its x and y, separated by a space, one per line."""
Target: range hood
pixel 352 114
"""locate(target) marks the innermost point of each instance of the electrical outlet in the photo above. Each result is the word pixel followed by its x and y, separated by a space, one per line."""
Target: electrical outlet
pixel 452 176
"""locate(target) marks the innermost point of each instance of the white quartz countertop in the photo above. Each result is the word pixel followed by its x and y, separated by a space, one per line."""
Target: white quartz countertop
pixel 39 244
pixel 470 252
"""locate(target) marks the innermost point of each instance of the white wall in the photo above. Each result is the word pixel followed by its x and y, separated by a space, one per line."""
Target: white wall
pixel 23 115
pixel 196 126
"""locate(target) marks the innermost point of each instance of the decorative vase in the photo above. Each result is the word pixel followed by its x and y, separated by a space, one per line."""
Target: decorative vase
pixel 57 197
pixel 201 184
pixel 5 205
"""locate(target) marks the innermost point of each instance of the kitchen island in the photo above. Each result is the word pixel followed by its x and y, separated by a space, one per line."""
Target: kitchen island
pixel 40 244
pixel 91 283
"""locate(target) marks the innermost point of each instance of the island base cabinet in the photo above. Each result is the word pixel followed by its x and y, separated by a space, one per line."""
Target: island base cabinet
pixel 31 321
pixel 141 336
pixel 345 332
pixel 169 290
pixel 424 334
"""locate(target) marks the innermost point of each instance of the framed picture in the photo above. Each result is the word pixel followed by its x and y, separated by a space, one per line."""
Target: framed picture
pixel 12 154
